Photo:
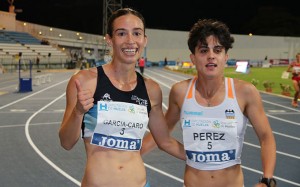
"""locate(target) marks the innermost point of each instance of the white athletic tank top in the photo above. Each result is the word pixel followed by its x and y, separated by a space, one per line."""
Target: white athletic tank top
pixel 213 136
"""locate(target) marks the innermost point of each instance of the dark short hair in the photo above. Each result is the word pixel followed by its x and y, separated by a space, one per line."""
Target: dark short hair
pixel 119 13
pixel 204 28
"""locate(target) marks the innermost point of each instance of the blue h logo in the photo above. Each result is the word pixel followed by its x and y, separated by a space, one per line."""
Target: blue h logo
pixel 103 107
pixel 187 123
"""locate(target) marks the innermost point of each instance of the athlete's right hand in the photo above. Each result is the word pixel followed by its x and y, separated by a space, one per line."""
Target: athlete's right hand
pixel 85 99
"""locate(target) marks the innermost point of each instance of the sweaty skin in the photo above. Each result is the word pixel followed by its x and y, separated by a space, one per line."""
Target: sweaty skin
pixel 106 166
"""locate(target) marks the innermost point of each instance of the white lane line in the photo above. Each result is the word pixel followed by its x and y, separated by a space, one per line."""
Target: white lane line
pixel 288 136
pixel 18 110
pixel 280 134
pixel 280 119
pixel 278 152
pixel 277 111
pixel 9 126
pixel 38 151
pixel 14 102
pixel 3 88
pixel 166 77
pixel 283 106
pixel 175 74
pixel 32 124
pixel 278 178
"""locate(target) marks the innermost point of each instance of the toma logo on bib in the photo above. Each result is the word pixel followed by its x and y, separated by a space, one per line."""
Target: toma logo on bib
pixel 114 142
pixel 215 156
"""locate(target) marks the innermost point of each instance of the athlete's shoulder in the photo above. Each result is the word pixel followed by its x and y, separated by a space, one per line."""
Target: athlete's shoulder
pixel 182 84
pixel 151 85
pixel 241 84
pixel 245 90
pixel 83 74
pixel 180 88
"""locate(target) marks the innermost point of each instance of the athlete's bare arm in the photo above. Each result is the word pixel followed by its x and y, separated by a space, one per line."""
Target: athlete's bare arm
pixel 157 123
pixel 250 99
pixel 79 100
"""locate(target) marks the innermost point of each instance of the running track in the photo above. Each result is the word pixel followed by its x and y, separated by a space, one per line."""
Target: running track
pixel 31 154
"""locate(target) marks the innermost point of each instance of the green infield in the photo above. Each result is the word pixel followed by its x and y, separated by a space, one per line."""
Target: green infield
pixel 262 78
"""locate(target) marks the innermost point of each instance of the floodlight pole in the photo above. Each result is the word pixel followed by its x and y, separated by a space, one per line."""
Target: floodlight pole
pixel 109 6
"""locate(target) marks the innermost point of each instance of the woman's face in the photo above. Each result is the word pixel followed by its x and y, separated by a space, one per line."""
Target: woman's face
pixel 128 39
pixel 210 59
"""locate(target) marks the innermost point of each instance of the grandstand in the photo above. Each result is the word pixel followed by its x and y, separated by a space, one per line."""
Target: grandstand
pixel 20 45
pixel 56 48
pixel 18 37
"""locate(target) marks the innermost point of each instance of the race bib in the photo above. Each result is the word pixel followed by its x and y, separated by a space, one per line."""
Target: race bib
pixel 120 125
pixel 210 140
